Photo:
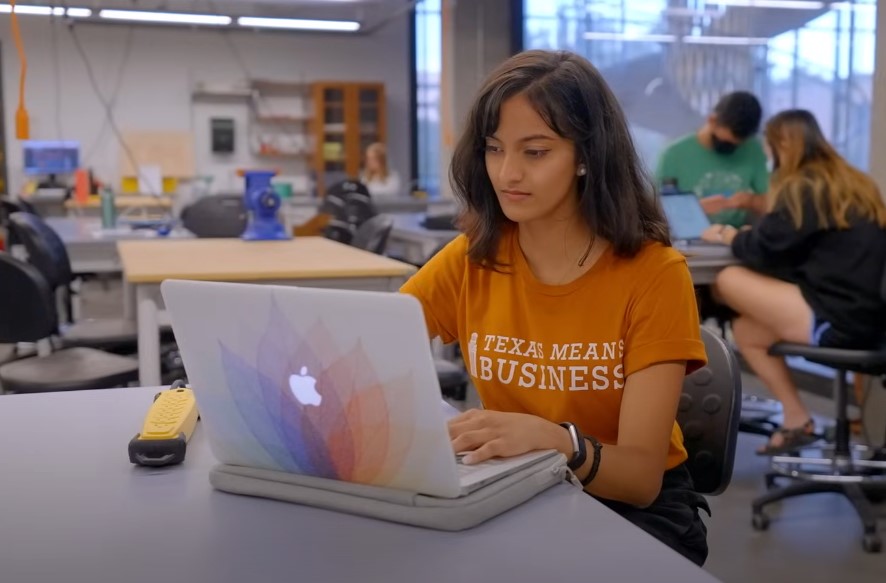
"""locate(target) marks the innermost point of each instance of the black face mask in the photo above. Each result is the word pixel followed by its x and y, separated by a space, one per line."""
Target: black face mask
pixel 722 146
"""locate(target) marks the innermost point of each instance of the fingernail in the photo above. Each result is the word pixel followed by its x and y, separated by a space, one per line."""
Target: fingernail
pixel 467 460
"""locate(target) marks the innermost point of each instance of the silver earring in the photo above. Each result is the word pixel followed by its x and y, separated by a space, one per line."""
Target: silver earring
pixel 582 170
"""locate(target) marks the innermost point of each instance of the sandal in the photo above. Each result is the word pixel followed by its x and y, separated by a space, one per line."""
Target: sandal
pixel 791 439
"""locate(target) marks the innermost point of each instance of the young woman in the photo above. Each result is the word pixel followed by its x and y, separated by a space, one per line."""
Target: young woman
pixel 812 265
pixel 377 176
pixel 571 309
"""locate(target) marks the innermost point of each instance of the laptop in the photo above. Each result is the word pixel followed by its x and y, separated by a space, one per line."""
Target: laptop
pixel 328 383
pixel 685 216
pixel 688 221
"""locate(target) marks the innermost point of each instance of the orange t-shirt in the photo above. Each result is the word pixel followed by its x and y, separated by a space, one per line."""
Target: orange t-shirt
pixel 563 352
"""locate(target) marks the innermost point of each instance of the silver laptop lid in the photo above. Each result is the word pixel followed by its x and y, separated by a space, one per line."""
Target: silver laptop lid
pixel 329 383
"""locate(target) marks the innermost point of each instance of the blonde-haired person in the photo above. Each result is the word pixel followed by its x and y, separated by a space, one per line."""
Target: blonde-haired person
pixel 378 177
pixel 812 266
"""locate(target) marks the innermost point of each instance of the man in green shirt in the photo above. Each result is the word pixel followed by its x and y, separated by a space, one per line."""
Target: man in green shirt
pixel 723 162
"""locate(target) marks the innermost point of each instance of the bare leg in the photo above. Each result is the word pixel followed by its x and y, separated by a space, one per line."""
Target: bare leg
pixel 753 341
pixel 770 311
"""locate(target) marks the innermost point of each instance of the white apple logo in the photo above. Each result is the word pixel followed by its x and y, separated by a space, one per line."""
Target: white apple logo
pixel 303 387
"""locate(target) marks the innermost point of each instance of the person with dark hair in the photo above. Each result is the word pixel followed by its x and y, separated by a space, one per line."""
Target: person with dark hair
pixel 576 317
pixel 723 162
pixel 812 266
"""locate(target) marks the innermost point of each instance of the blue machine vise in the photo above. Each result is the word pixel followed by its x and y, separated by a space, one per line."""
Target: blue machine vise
pixel 263 207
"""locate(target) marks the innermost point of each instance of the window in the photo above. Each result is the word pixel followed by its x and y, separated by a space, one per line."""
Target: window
pixel 668 61
pixel 428 64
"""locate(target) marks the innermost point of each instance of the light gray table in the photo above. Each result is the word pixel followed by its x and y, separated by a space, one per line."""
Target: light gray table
pixel 92 249
pixel 299 209
pixel 73 509
pixel 413 242
pixel 705 262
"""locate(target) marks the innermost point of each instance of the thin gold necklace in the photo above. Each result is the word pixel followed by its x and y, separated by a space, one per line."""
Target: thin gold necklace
pixel 587 252
pixel 581 261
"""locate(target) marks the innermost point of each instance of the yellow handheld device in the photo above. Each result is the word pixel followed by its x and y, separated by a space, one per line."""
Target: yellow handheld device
pixel 168 426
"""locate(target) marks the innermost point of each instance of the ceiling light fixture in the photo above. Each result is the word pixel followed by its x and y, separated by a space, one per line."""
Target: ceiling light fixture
pixel 299 24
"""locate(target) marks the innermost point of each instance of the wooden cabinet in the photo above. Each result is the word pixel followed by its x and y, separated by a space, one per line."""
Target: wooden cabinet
pixel 347 118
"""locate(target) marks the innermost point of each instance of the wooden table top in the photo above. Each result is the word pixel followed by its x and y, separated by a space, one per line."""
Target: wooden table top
pixel 238 260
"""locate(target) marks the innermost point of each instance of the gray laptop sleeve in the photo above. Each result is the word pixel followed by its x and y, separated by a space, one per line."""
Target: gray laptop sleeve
pixel 395 505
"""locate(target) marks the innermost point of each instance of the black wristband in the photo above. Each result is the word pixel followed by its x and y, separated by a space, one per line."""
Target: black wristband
pixel 596 463
pixel 579 450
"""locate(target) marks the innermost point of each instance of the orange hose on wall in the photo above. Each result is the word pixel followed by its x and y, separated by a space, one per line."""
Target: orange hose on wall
pixel 22 125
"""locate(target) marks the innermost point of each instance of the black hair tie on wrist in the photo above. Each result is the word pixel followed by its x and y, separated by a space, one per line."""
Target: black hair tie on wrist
pixel 596 463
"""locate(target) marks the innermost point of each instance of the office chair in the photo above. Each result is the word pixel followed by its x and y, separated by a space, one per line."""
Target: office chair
pixel 217 216
pixel 358 209
pixel 757 415
pixel 373 234
pixel 708 415
pixel 333 205
pixel 340 231
pixel 842 468
pixel 28 314
pixel 10 205
pixel 46 251
pixel 338 192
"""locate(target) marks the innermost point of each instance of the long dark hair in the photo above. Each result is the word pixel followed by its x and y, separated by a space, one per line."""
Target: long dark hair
pixel 809 166
pixel 616 197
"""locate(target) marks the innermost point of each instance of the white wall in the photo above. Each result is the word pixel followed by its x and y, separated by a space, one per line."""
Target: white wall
pixel 155 87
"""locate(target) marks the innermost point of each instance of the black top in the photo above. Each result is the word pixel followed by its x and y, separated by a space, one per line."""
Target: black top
pixel 839 272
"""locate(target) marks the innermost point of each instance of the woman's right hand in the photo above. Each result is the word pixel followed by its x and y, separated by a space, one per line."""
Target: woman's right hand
pixel 714 204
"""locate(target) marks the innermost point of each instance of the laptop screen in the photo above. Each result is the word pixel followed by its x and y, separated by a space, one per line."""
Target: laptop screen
pixel 685 216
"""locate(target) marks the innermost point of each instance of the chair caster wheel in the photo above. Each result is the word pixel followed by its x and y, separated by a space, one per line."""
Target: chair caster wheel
pixel 872 543
pixel 760 521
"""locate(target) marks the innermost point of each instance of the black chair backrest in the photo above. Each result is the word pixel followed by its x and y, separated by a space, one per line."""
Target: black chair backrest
pixel 9 205
pixel 358 209
pixel 373 234
pixel 27 309
pixel 343 188
pixel 341 231
pixel 46 250
pixel 333 204
pixel 350 206
pixel 216 216
pixel 708 414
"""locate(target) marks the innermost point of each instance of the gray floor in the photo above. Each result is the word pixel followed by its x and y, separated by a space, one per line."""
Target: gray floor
pixel 811 539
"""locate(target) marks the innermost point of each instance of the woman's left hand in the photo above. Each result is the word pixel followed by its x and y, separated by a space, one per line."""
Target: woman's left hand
pixel 488 434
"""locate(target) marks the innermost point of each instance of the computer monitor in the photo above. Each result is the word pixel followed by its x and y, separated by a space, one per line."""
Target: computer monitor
pixel 48 158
